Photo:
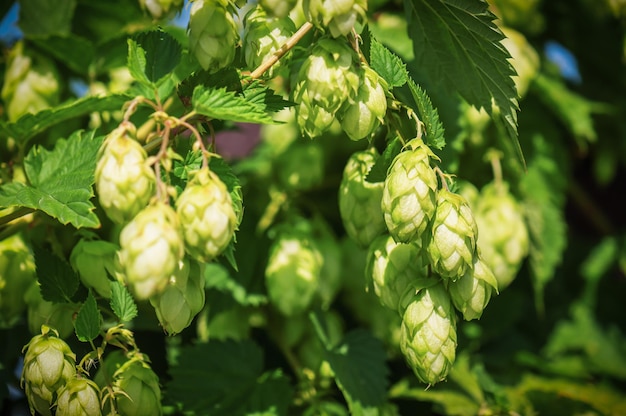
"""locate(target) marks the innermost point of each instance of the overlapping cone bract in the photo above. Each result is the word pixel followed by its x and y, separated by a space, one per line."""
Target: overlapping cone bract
pixel 137 379
pixel 213 34
pixel 263 36
pixel 124 180
pixel 79 396
pixel 95 261
pixel 17 273
pixel 428 337
pixel 182 299
pixel 207 215
pixel 339 16
pixel 49 364
pixel 292 273
pixel 471 293
pixel 360 200
pixel 151 248
pixel 452 246
pixel 408 202
pixel 361 119
pixel 396 270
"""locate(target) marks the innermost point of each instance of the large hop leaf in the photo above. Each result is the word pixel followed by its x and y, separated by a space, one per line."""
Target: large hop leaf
pixel 452 246
pixel 408 202
pixel 471 293
pixel 428 334
pixel 151 249
pixel 339 16
pixel 359 200
pixel 124 180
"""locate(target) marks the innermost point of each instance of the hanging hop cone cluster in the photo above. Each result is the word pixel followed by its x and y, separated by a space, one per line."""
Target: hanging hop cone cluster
pixel 339 16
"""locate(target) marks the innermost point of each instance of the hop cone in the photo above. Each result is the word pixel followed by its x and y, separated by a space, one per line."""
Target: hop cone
pixel 124 180
pixel 141 384
pixel 428 334
pixel 278 8
pixel 41 312
pixel 292 273
pixel 339 16
pixel 397 271
pixel 79 397
pixel 362 118
pixel 213 34
pixel 182 298
pixel 207 215
pixel 471 293
pixel 359 200
pixel 151 248
pixel 161 8
pixel 503 240
pixel 453 243
pixel 49 364
pixel 17 273
pixel 408 202
pixel 301 166
pixel 95 261
pixel 525 60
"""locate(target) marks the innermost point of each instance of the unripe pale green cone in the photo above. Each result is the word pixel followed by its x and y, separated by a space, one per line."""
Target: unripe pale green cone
pixel 161 8
pixel 151 248
pixel 360 200
pixel 17 273
pixel 428 337
pixel 213 34
pixel 49 364
pixel 79 396
pixel 471 293
pixel 137 379
pixel 124 179
pixel 452 246
pixel 362 118
pixel 42 312
pixel 207 216
pixel 182 299
pixel 95 261
pixel 339 16
pixel 409 193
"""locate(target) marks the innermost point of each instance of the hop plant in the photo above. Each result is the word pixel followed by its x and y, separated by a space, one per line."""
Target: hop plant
pixel 339 16
pixel 525 59
pixel 278 8
pixel 292 272
pixel 207 215
pixel 42 312
pixel 397 271
pixel 17 273
pixel 160 8
pixel 140 385
pixel 428 334
pixel 151 249
pixel 360 200
pixel 182 299
pixel 79 396
pixel 452 246
pixel 362 118
pixel 95 262
pixel 213 34
pixel 263 36
pixel 471 293
pixel 123 177
pixel 49 364
pixel 301 166
pixel 409 193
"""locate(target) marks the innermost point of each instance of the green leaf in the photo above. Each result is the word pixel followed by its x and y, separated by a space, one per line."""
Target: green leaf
pixel 44 18
pixel 358 363
pixel 60 181
pixel 387 65
pixel 217 277
pixel 221 104
pixel 451 402
pixel 30 125
pixel 88 320
pixel 122 302
pixel 58 281
pixel 137 62
pixel 75 52
pixel 226 378
pixel 161 53
pixel 264 97
pixel 429 116
pixel 457 42
pixel 378 172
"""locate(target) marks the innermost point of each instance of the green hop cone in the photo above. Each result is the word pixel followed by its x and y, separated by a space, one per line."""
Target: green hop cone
pixel 278 8
pixel 124 179
pixel 525 59
pixel 151 249
pixel 49 364
pixel 301 166
pixel 41 312
pixel 161 8
pixel 360 200
pixel 17 274
pixel 362 118
pixel 428 334
pixel 141 387
pixel 292 272
pixel 95 262
pixel 79 396
pixel 397 271
pixel 182 299
pixel 471 293
pixel 503 240
pixel 452 246
pixel 263 36
pixel 409 193
pixel 207 215
pixel 330 281
pixel 213 34
pixel 340 16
